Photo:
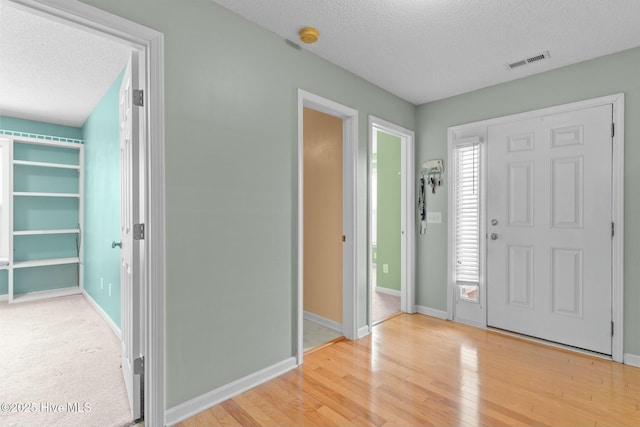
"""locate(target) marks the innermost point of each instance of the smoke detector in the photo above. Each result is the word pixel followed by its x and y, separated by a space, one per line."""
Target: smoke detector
pixel 534 58
pixel 309 35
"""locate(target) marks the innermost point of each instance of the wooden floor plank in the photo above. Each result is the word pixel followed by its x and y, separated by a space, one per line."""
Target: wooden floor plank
pixel 415 370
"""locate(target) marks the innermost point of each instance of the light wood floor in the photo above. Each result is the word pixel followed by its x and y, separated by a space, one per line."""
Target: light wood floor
pixel 420 371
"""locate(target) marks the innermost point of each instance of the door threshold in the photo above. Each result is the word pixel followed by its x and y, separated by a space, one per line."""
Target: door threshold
pixel 322 346
pixel 553 344
pixel 387 318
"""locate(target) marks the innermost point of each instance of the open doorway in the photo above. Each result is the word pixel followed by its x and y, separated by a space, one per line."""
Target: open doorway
pixel 341 237
pixel 391 232
pixel 386 229
pixel 48 165
pixel 322 302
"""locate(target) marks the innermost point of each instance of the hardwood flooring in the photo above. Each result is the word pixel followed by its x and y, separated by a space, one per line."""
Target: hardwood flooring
pixel 415 370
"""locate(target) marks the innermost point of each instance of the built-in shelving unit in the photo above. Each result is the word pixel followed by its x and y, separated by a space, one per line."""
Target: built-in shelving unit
pixel 45 185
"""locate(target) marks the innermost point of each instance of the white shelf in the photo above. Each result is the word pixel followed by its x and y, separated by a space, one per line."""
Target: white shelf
pixel 32 296
pixel 38 232
pixel 31 194
pixel 45 262
pixel 45 165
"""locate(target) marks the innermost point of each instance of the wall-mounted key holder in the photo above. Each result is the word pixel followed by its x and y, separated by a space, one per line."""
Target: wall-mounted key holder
pixel 432 171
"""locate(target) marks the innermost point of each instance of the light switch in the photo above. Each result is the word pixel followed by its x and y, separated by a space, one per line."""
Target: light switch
pixel 434 217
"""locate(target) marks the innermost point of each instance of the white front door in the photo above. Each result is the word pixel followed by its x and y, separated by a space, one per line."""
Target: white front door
pixel 130 249
pixel 549 208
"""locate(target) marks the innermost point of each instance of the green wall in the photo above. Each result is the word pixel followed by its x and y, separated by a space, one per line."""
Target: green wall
pixel 598 77
pixel 389 224
pixel 102 203
pixel 231 161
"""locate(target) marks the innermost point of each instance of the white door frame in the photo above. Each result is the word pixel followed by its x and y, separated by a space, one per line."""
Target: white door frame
pixel 479 130
pixel 407 202
pixel 151 45
pixel 349 118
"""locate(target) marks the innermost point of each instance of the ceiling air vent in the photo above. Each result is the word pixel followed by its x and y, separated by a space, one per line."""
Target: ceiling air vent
pixel 529 60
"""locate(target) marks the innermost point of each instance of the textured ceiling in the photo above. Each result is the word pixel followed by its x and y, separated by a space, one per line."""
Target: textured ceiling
pixel 425 50
pixel 53 72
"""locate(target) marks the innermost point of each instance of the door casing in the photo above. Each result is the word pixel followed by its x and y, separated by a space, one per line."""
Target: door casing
pixel 407 202
pixel 349 117
pixel 478 131
pixel 150 44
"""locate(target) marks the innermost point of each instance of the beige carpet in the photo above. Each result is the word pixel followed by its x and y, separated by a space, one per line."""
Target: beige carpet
pixel 54 354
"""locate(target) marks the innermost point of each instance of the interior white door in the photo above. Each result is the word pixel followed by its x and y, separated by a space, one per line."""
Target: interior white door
pixel 130 250
pixel 549 206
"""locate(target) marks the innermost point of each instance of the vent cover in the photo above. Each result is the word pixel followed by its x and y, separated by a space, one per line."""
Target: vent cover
pixel 529 60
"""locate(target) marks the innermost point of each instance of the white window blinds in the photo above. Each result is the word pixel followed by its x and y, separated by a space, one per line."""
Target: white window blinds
pixel 467 238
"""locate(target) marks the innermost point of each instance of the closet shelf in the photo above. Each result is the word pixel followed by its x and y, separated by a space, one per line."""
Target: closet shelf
pixel 37 232
pixel 45 165
pixel 32 194
pixel 45 262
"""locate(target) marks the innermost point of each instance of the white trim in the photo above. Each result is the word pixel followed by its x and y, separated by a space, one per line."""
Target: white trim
pixel 198 404
pixel 408 248
pixel 328 323
pixel 632 360
pixel 480 128
pixel 151 43
pixel 388 291
pixel 4 297
pixel 103 314
pixel 349 195
pixel 364 331
pixel 432 312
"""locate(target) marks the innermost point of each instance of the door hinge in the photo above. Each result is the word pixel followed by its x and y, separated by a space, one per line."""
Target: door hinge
pixel 138 365
pixel 138 231
pixel 612 328
pixel 613 229
pixel 613 130
pixel 138 97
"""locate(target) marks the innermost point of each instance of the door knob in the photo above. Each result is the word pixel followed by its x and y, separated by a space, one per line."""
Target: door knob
pixel 114 244
pixel 494 236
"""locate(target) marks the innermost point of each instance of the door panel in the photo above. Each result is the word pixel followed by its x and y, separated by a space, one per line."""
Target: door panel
pixel 549 188
pixel 129 275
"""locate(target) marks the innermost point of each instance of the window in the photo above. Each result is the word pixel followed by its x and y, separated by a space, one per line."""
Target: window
pixel 467 220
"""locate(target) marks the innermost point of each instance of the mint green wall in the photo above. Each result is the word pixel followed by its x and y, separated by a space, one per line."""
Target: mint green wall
pixel 598 77
pixel 41 128
pixel 4 282
pixel 389 203
pixel 37 213
pixel 231 160
pixel 102 203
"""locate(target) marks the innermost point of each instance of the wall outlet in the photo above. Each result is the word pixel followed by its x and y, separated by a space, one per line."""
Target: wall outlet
pixel 385 268
pixel 434 217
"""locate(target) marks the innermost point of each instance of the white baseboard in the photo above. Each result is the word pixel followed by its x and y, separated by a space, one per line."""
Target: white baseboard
pixel 323 321
pixel 103 314
pixel 198 404
pixel 431 312
pixel 363 332
pixel 632 360
pixel 388 291
pixel 4 297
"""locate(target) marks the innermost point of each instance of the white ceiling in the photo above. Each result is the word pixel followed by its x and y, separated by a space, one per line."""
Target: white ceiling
pixel 425 50
pixel 53 72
